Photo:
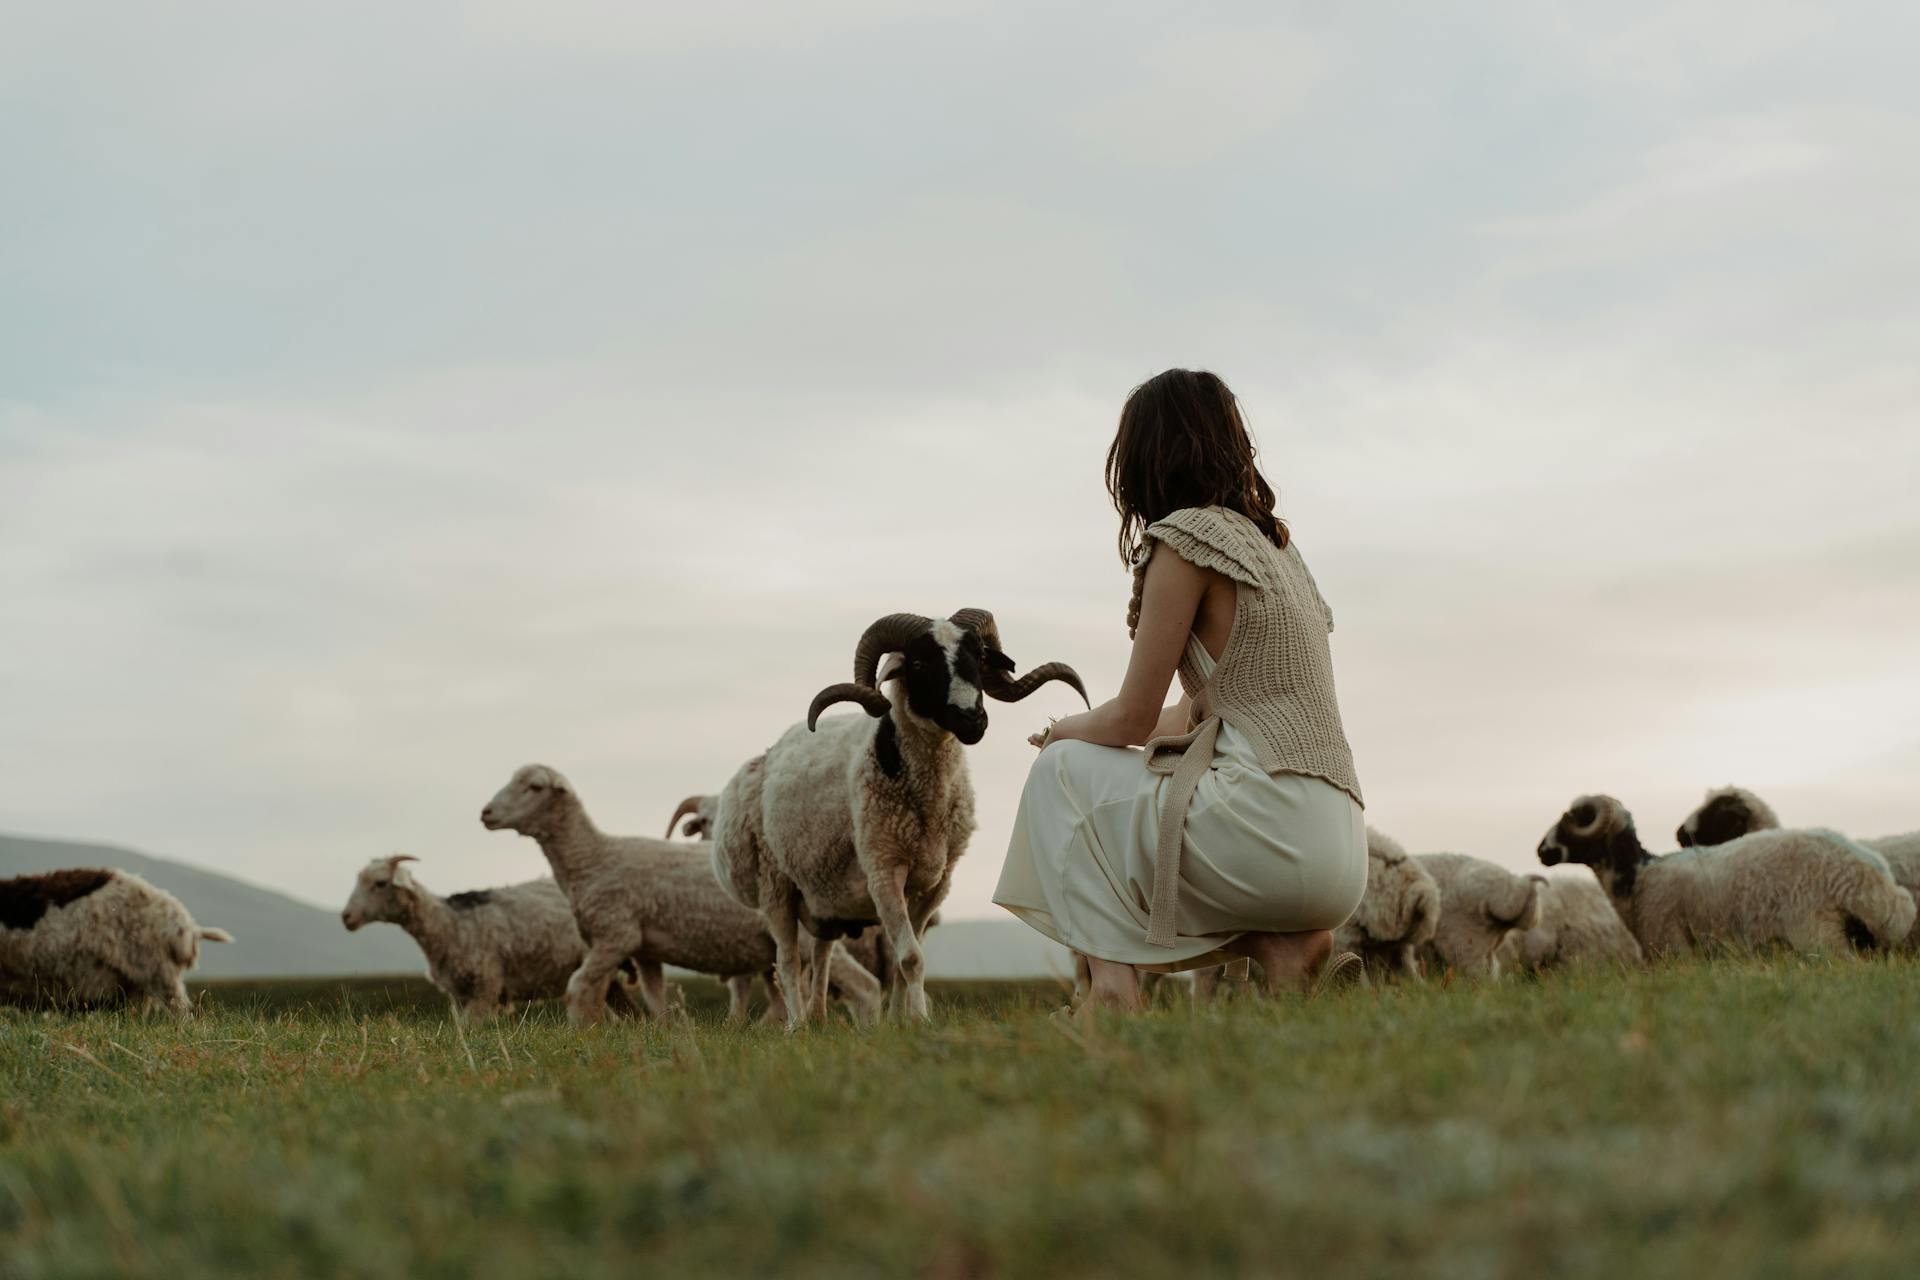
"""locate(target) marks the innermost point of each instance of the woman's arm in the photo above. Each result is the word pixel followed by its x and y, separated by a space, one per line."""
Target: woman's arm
pixel 1169 602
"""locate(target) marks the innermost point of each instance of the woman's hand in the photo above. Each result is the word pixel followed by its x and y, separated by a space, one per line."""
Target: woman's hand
pixel 1052 733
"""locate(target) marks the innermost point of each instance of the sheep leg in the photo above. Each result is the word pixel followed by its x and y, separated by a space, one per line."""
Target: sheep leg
pixel 587 988
pixel 1409 963
pixel 739 997
pixel 784 924
pixel 860 990
pixel 653 988
pixel 776 1003
pixel 889 889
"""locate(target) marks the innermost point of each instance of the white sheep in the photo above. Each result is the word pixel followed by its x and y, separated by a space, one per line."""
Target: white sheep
pixel 1397 916
pixel 652 901
pixel 1577 927
pixel 1481 905
pixel 1732 812
pixel 487 949
pixel 1809 889
pixel 854 820
pixel 86 936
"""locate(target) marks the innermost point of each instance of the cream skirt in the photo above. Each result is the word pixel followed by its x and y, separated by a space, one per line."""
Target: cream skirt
pixel 1267 852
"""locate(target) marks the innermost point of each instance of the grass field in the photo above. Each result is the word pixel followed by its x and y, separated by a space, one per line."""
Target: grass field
pixel 1751 1117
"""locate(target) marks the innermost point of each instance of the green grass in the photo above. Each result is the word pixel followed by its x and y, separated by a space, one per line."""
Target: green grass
pixel 1750 1117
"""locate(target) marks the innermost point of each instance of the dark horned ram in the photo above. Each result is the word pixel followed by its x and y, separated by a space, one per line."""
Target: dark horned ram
pixel 852 820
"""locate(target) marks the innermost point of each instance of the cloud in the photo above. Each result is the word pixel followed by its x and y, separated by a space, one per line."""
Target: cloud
pixel 395 398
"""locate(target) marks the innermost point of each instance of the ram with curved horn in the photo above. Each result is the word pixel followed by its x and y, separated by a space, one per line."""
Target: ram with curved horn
pixel 1811 890
pixel 856 820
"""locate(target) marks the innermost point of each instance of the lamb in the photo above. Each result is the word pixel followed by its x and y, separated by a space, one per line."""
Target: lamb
pixel 1732 812
pixel 858 820
pixel 1481 906
pixel 654 901
pixel 87 936
pixel 1809 889
pixel 487 949
pixel 1397 916
pixel 1577 927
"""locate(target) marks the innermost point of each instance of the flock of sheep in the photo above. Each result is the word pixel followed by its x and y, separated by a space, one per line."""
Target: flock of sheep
pixel 815 873
pixel 1739 880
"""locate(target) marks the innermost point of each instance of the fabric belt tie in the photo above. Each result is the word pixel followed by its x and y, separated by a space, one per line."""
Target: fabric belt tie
pixel 1187 758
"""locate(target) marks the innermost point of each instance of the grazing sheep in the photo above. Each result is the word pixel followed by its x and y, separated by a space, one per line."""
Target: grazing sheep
pixel 1577 927
pixel 86 936
pixel 856 820
pixel 1481 904
pixel 487 949
pixel 1397 916
pixel 1732 812
pixel 1807 889
pixel 652 901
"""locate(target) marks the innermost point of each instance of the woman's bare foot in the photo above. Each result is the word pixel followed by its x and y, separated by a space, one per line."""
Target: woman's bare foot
pixel 1288 961
pixel 1113 986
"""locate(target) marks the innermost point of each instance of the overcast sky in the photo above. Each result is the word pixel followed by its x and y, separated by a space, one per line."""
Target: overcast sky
pixel 393 395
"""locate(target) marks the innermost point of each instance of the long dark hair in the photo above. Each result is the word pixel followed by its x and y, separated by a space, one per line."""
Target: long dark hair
pixel 1182 443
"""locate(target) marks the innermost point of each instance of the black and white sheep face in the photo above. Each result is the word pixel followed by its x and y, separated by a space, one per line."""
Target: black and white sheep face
pixel 1725 816
pixel 940 674
pixel 382 895
pixel 523 803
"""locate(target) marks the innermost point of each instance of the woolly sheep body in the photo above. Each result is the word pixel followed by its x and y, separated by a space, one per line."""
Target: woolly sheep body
pixel 1577 926
pixel 1731 812
pixel 654 901
pixel 120 938
pixel 817 819
pixel 1807 889
pixel 487 949
pixel 1481 905
pixel 1397 916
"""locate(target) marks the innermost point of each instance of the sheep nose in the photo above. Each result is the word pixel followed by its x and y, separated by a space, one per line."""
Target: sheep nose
pixel 486 814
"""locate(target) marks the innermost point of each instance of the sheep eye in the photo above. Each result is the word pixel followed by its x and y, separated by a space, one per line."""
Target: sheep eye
pixel 537 786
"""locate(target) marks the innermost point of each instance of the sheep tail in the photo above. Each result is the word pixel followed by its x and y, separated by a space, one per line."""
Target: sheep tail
pixel 1896 913
pixel 1521 910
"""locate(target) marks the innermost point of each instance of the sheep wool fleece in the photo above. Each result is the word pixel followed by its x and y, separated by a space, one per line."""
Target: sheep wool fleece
pixel 1249 821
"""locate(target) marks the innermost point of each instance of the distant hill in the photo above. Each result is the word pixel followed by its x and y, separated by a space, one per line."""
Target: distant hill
pixel 994 949
pixel 281 937
pixel 274 936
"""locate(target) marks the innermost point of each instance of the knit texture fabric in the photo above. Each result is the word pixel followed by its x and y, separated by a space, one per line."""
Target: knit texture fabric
pixel 1274 681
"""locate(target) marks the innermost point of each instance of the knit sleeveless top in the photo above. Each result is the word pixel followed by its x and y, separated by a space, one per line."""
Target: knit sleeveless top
pixel 1273 682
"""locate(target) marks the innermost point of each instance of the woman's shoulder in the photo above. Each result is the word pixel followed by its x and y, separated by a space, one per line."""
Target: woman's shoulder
pixel 1214 538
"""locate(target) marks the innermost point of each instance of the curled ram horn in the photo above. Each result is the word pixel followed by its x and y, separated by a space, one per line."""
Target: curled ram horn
pixel 688 806
pixel 887 635
pixel 1603 809
pixel 997 679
